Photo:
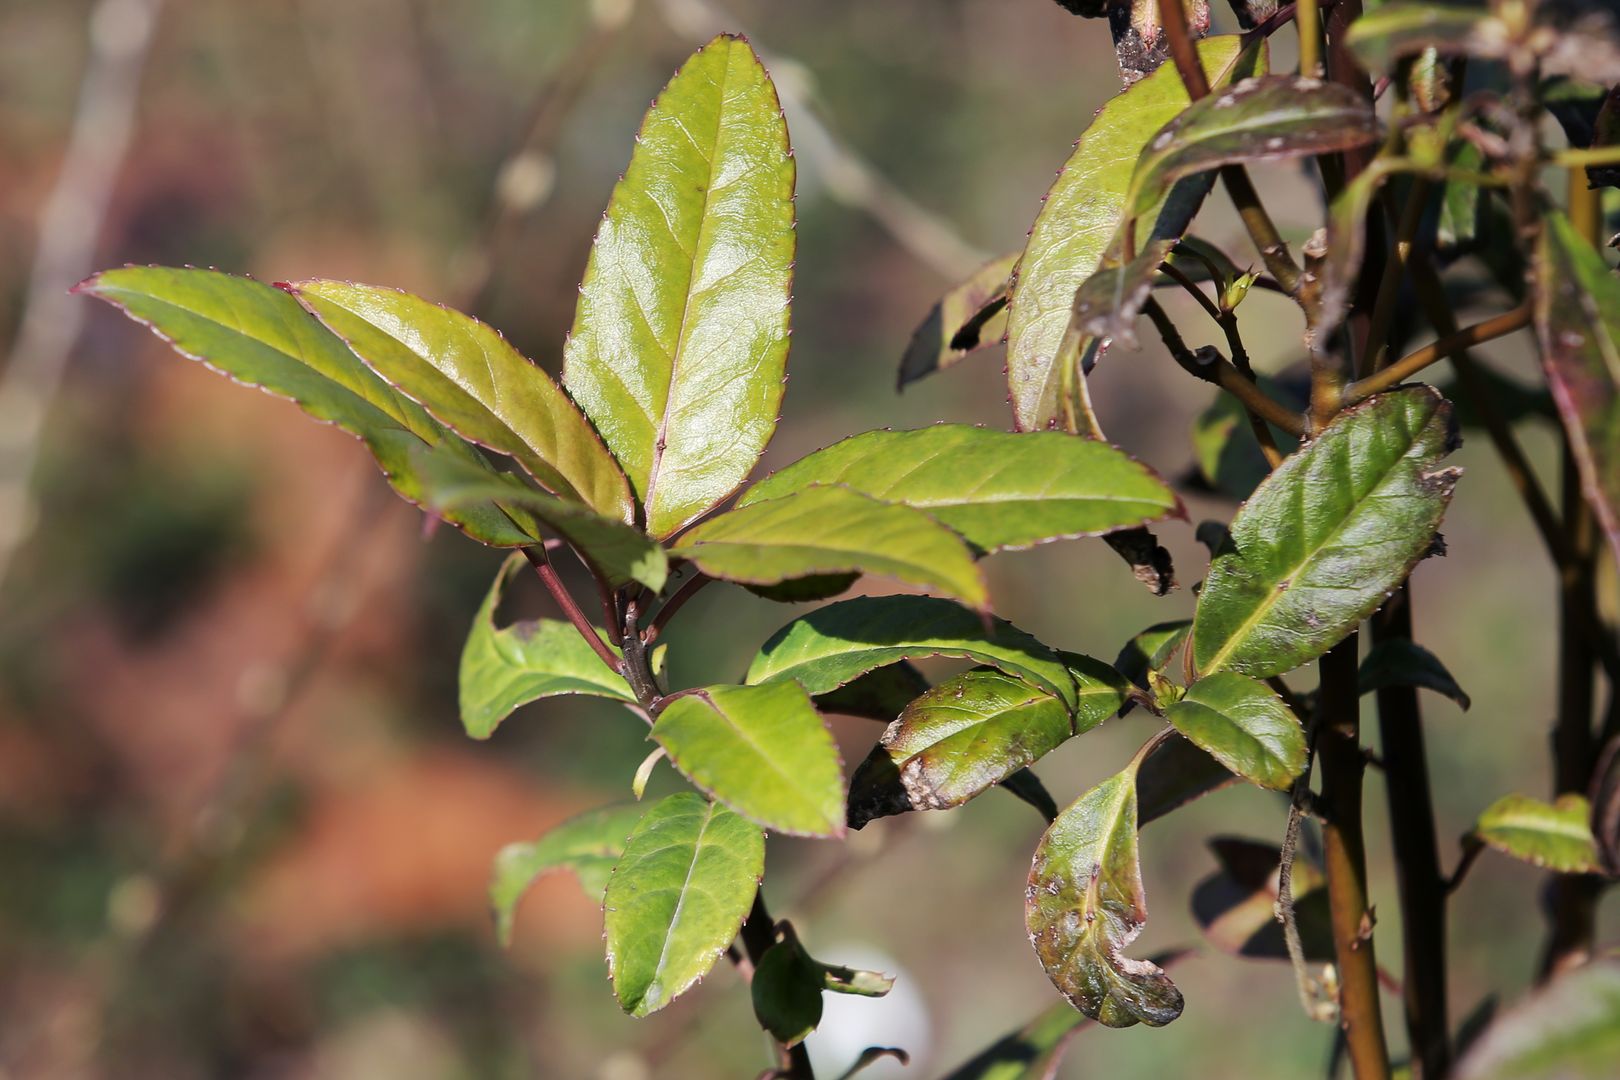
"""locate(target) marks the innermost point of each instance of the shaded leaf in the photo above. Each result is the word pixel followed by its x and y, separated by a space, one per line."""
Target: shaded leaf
pixel 1151 650
pixel 786 990
pixel 997 489
pixel 259 335
pixel 1084 906
pixel 1403 662
pixel 686 878
pixel 1244 725
pixel 836 644
pixel 762 750
pixel 1295 581
pixel 588 844
pixel 825 530
pixel 1235 906
pixel 1458 224
pixel 1557 836
pixel 1567 1030
pixel 1514 400
pixel 1027 788
pixel 871 1056
pixel 1577 305
pixel 970 316
pixel 1402 28
pixel 472 381
pixel 877 695
pixel 1227 452
pixel 1149 560
pixel 1174 773
pixel 681 335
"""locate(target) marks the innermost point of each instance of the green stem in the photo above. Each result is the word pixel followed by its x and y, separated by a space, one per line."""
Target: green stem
pixel 1580 159
pixel 1308 22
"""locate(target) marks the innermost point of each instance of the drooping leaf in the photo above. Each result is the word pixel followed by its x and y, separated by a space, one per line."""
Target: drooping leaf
pixel 681 335
pixel 1078 220
pixel 1228 454
pixel 1244 725
pixel 786 990
pixel 1084 906
pixel 762 750
pixel 1568 1030
pixel 1402 28
pixel 1557 836
pixel 1174 774
pixel 969 317
pixel 1266 118
pixel 503 668
pixel 259 335
pixel 877 695
pixel 1577 304
pixel 825 530
pixel 1327 536
pixel 468 377
pixel 1235 906
pixel 617 552
pixel 588 845
pixel 1403 662
pixel 836 644
pixel 677 897
pixel 997 489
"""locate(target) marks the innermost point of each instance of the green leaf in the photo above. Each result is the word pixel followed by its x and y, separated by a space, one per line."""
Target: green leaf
pixel 1567 1030
pixel 969 317
pixel 1245 726
pixel 1175 773
pixel 1402 28
pixel 1458 224
pixel 1327 536
pixel 1151 650
pixel 1084 906
pixel 836 644
pixel 997 489
pixel 1261 119
pixel 786 990
pixel 1228 454
pixel 831 530
pixel 1078 220
pixel 1403 662
pixel 615 551
pixel 877 695
pixel 472 381
pixel 762 750
pixel 959 739
pixel 1235 906
pixel 677 898
pixel 1557 836
pixel 681 334
pixel 503 668
pixel 1030 1053
pixel 1577 305
pixel 588 845
pixel 259 335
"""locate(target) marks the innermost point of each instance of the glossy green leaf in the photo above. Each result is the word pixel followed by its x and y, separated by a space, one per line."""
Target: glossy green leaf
pixel 877 695
pixel 1262 119
pixel 1402 662
pixel 1327 536
pixel 969 317
pixel 681 334
pixel 468 377
pixel 259 335
pixel 677 898
pixel 1235 907
pixel 836 644
pixel 786 990
pixel 1084 906
pixel 1402 28
pixel 617 552
pixel 1173 774
pixel 1078 220
pixel 1228 454
pixel 1577 305
pixel 503 668
pixel 762 750
pixel 833 530
pixel 959 739
pixel 1244 725
pixel 996 488
pixel 1567 1030
pixel 589 845
pixel 1557 836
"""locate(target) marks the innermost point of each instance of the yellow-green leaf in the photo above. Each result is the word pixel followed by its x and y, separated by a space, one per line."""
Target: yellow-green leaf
pixel 1556 835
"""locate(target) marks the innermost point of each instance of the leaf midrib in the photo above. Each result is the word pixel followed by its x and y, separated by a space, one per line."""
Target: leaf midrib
pixel 680 904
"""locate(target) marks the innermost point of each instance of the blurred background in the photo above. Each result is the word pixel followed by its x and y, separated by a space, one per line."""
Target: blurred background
pixel 241 832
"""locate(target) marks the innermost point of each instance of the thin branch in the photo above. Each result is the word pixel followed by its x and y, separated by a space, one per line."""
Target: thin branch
pixel 1308 21
pixel 1499 326
pixel 559 592
pixel 685 592
pixel 1209 365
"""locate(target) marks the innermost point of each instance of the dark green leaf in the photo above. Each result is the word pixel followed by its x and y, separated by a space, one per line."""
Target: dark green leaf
pixel 871 1056
pixel 1151 650
pixel 1402 662
pixel 1557 836
pixel 1084 906
pixel 877 695
pixel 762 750
pixel 1235 906
pixel 970 316
pixel 786 989
pixel 840 642
pixel 1458 226
pixel 1027 788
pixel 997 489
pixel 681 335
pixel 1228 454
pixel 1245 726
pixel 1402 28
pixel 588 845
pixel 1302 572
pixel 831 530
pixel 1172 775
pixel 259 335
pixel 1030 1053
pixel 677 897
pixel 1568 1030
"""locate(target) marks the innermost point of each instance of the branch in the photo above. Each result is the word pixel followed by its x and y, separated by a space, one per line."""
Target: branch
pixel 1209 365
pixel 538 559
pixel 1500 326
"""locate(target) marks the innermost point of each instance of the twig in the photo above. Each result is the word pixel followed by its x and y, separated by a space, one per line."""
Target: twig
pixel 1394 374
pixel 688 589
pixel 1209 365
pixel 536 554
pixel 1308 21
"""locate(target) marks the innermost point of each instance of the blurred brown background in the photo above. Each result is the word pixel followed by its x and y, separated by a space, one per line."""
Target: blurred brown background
pixel 241 833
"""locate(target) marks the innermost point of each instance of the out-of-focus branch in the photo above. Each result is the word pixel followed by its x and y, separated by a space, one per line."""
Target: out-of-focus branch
pixel 848 176
pixel 69 227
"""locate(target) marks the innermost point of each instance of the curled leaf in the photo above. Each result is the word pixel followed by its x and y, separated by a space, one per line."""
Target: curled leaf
pixel 968 317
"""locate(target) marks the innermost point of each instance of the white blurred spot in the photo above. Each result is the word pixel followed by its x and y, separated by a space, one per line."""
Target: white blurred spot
pixel 850 1024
